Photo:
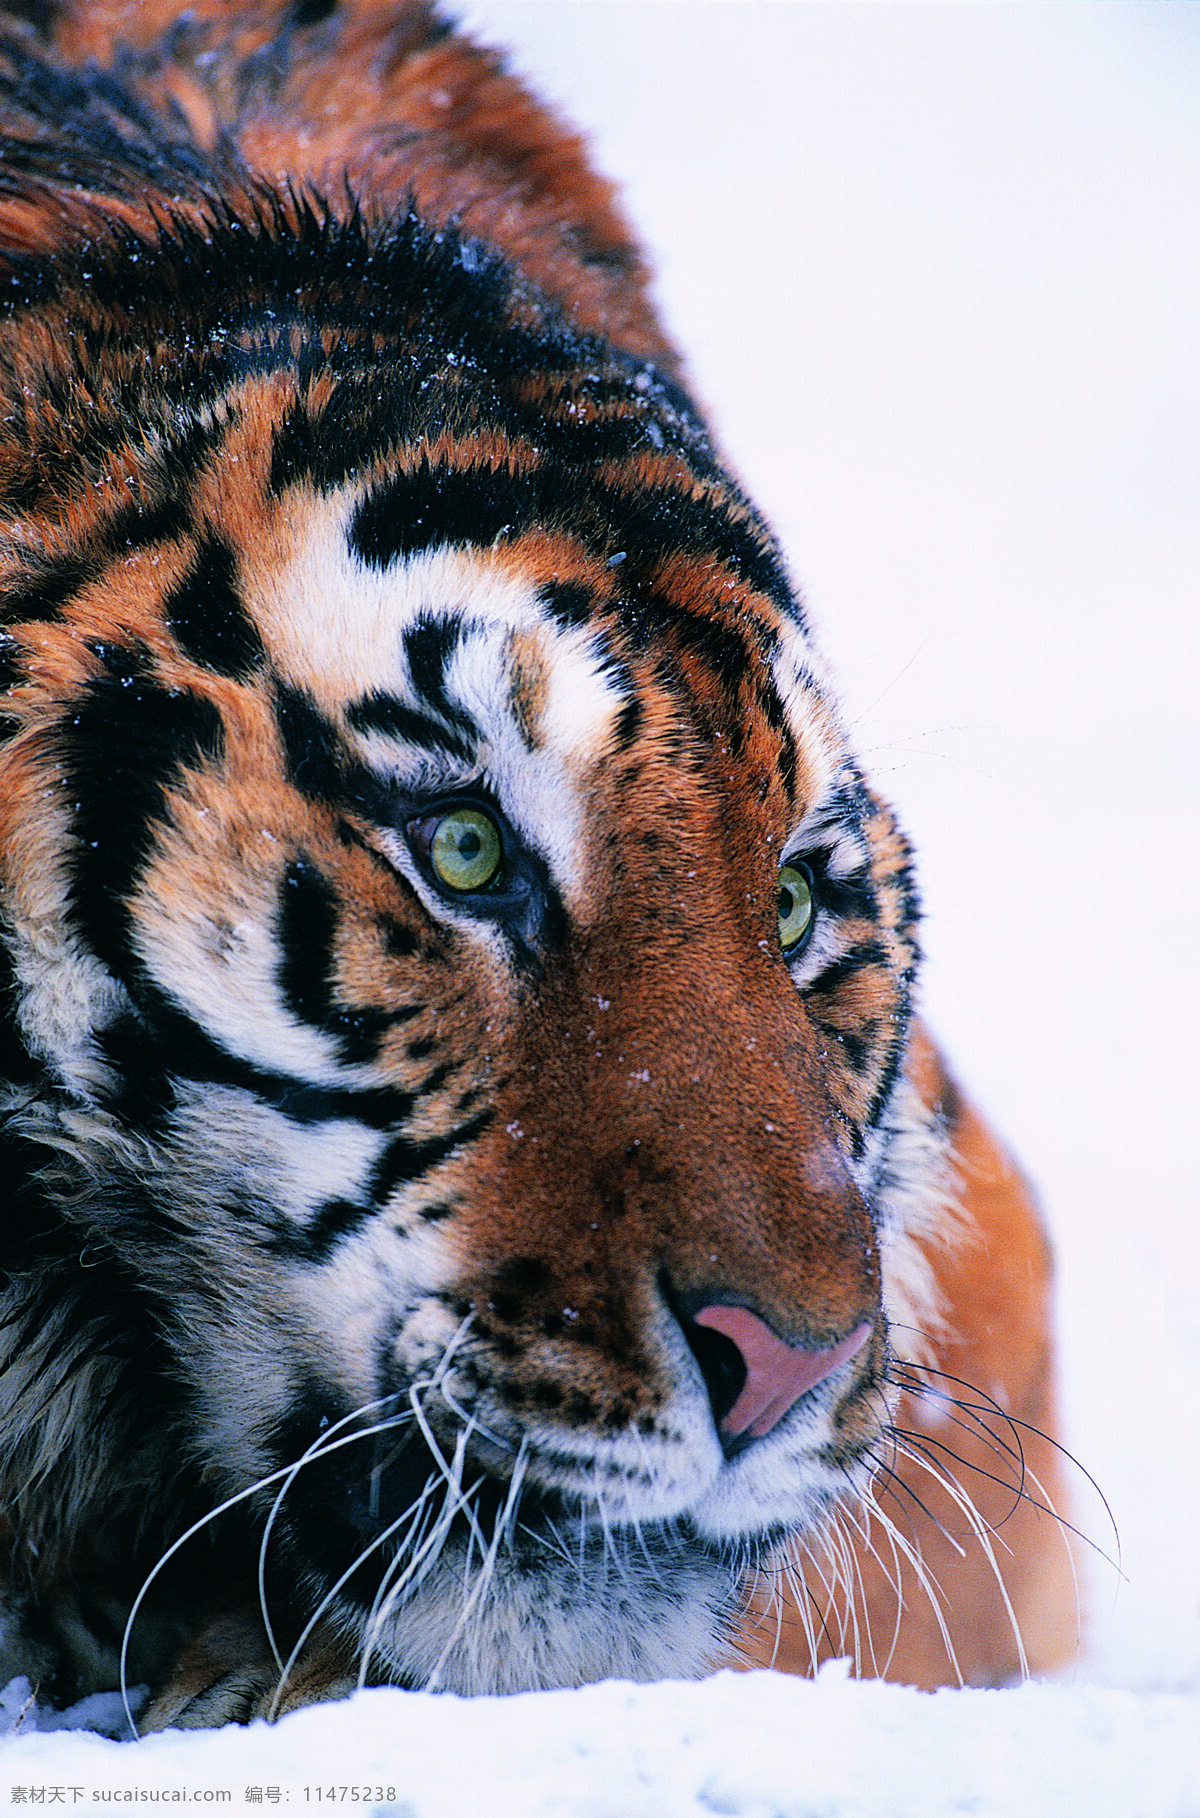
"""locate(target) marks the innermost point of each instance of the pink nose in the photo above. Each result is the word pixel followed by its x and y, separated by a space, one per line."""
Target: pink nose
pixel 777 1374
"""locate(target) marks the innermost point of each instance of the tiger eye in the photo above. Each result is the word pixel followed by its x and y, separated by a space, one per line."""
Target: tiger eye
pixel 796 906
pixel 466 850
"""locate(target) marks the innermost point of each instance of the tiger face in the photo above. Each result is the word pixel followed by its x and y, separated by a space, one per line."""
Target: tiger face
pixel 459 980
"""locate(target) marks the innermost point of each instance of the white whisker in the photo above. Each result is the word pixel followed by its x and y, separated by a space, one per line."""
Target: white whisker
pixel 487 1564
pixel 318 1449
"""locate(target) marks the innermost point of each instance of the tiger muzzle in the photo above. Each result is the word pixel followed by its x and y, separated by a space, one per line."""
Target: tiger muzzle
pixel 671 1165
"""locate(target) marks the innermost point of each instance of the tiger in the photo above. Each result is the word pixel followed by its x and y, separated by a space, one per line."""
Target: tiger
pixel 483 1209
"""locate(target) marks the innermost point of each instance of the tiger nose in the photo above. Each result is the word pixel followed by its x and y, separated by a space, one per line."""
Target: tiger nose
pixel 774 1374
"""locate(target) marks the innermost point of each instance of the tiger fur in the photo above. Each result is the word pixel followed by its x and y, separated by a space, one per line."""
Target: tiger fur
pixel 415 763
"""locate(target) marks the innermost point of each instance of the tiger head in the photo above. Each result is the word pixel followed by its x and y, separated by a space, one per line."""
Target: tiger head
pixel 458 977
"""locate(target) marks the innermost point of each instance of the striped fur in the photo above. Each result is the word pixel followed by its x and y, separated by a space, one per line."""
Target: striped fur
pixel 349 481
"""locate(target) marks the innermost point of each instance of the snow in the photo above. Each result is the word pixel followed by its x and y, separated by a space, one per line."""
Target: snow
pixel 757 1745
pixel 936 272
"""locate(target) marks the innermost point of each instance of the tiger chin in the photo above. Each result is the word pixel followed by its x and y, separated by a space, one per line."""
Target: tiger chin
pixel 482 1211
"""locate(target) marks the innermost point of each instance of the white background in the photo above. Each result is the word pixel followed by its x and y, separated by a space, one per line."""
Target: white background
pixel 936 271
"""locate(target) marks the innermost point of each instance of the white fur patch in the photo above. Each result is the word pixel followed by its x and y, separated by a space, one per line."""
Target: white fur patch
pixel 804 689
pixel 919 1207
pixel 336 626
pixel 234 994
pixel 298 1167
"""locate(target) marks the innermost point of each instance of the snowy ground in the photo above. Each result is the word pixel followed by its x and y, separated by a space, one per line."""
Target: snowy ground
pixel 936 269
pixel 757 1746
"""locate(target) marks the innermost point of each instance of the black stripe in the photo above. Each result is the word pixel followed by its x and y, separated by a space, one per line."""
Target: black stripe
pixel 43 595
pixel 357 423
pixel 206 614
pixel 141 526
pixel 125 744
pixel 597 405
pixel 125 661
pixel 910 898
pixel 892 1063
pixel 775 715
pixel 434 1214
pixel 851 895
pixel 570 603
pixel 163 1045
pixel 476 506
pixel 84 127
pixel 310 745
pixel 663 520
pixel 428 647
pixel 402 296
pixel 853 1045
pixel 10 661
pixel 321 769
pixel 315 1241
pixel 48 590
pixel 309 915
pixel 405 1161
pixel 847 965
pixel 432 506
pixel 402 1163
pixel 437 1077
pixel 223 277
pixel 724 648
pixel 581 441
pixel 788 762
pixel 144 1096
pixel 361 422
pixel 384 713
pixel 629 723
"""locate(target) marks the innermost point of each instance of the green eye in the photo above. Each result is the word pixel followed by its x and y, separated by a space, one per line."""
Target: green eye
pixel 466 850
pixel 795 906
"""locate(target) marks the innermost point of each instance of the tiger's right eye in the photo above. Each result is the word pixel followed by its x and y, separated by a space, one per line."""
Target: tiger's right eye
pixel 466 851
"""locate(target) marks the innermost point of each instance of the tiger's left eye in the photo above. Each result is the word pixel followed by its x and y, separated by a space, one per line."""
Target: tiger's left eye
pixel 466 851
pixel 796 906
